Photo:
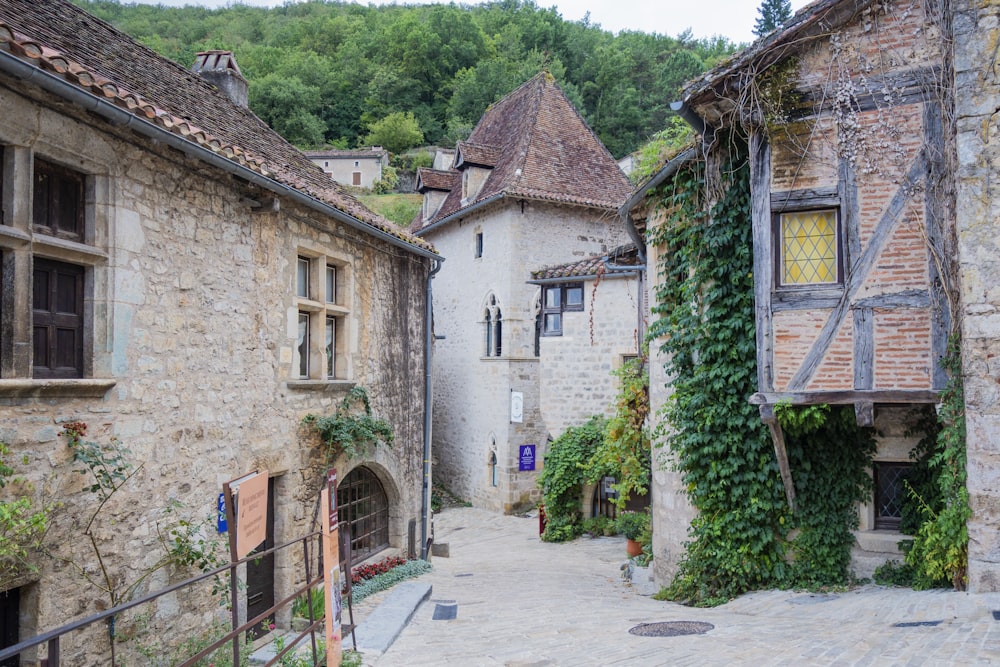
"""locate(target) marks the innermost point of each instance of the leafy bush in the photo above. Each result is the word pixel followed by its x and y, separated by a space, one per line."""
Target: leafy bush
pixel 600 525
pixel 633 524
pixel 22 524
pixel 892 573
pixel 388 182
pixel 348 432
pixel 563 477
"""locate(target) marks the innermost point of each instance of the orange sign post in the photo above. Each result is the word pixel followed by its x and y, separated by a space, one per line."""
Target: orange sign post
pixel 331 566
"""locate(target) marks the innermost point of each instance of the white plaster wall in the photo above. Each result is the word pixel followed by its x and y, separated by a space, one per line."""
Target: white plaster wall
pixel 472 393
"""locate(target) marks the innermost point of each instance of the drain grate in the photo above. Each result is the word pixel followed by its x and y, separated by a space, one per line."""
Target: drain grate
pixel 445 610
pixel 671 629
pixel 917 624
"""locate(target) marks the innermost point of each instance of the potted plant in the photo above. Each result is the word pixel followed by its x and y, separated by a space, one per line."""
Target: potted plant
pixel 633 525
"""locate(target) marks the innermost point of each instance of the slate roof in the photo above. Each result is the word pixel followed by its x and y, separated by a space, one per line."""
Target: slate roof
pixel 66 41
pixel 544 151
pixel 477 154
pixel 625 255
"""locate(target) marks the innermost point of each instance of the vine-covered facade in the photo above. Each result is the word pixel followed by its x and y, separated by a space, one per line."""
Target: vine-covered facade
pixel 851 154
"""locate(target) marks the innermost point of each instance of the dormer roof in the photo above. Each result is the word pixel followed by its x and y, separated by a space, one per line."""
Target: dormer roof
pixel 540 148
pixel 436 179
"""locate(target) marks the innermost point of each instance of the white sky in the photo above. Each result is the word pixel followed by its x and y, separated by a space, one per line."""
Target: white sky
pixel 731 18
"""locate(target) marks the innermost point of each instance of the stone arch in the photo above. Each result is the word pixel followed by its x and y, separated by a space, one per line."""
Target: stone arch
pixel 377 514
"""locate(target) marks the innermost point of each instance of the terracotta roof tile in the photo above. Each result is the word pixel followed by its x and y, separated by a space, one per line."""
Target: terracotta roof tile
pixel 480 155
pixel 622 256
pixel 65 40
pixel 436 179
pixel 545 150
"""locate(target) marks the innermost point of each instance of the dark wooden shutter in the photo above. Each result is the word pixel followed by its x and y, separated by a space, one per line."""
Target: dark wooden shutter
pixel 57 319
pixel 57 207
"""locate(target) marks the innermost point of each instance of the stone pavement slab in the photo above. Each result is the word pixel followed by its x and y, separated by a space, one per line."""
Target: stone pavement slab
pixel 381 627
pixel 521 602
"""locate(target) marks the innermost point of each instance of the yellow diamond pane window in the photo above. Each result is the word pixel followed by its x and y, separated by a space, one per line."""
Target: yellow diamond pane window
pixel 809 247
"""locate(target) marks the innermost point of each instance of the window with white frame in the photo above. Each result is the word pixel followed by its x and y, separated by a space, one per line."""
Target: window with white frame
pixel 49 230
pixel 320 350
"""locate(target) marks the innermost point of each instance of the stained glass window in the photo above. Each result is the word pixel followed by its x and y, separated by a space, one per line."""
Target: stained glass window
pixel 809 247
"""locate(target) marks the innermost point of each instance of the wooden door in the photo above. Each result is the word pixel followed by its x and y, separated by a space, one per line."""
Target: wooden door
pixel 260 574
pixel 10 608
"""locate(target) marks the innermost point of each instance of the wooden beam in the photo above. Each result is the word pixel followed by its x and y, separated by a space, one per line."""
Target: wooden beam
pixel 780 452
pixel 808 197
pixel 847 397
pixel 864 349
pixel 865 414
pixel 763 255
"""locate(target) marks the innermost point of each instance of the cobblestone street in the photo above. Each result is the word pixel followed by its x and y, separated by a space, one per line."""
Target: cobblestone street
pixel 525 603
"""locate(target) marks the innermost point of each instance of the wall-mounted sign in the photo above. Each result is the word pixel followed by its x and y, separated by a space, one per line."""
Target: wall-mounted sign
pixel 526 458
pixel 516 407
pixel 220 516
pixel 251 519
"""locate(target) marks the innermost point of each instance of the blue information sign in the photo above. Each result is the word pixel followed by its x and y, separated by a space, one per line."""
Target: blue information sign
pixel 220 516
pixel 526 461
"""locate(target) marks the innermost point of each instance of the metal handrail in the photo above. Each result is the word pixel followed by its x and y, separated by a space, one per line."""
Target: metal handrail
pixel 51 637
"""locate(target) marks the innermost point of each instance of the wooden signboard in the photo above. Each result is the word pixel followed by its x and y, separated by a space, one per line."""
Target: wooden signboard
pixel 251 522
pixel 331 566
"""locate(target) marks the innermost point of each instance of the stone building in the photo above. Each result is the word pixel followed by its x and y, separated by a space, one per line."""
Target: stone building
pixel 360 168
pixel 182 280
pixel 532 187
pixel 863 125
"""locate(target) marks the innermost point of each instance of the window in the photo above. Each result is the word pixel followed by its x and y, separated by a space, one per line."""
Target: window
pixel 47 331
pixel 57 208
pixel 57 320
pixel 319 352
pixel 556 300
pixel 479 245
pixel 809 248
pixel 363 508
pixel 494 328
pixel 890 492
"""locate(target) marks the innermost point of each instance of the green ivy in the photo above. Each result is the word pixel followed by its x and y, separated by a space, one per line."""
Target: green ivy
pixel 739 540
pixel 624 452
pixel 563 477
pixel 348 431
pixel 940 551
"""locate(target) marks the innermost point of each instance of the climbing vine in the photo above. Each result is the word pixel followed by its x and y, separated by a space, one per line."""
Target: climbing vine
pixel 564 475
pixel 23 523
pixel 742 537
pixel 349 430
pixel 940 551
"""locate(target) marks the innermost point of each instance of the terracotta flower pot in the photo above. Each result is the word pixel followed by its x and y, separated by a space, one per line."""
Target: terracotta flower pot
pixel 633 548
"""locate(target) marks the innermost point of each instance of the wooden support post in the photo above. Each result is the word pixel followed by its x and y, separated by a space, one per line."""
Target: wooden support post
pixel 778 438
pixel 865 414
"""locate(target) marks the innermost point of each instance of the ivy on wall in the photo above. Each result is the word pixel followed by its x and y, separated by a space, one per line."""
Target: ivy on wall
pixel 742 538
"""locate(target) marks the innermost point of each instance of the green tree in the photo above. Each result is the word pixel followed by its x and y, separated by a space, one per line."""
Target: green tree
pixel 396 132
pixel 284 103
pixel 772 13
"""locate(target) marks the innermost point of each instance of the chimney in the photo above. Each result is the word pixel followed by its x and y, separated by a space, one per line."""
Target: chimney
pixel 220 68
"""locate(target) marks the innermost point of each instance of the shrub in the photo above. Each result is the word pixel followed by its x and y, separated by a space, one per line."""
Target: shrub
pixel 563 477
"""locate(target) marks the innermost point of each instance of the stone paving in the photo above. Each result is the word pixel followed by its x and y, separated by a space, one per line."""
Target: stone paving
pixel 525 603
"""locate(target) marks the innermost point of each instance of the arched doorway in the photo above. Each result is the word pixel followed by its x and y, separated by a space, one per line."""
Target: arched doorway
pixel 363 508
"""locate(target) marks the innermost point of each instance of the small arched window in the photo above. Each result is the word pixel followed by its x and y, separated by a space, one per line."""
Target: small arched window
pixel 493 319
pixel 362 504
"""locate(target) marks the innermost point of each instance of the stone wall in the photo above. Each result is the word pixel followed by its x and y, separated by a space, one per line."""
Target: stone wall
pixel 576 367
pixel 976 26
pixel 472 391
pixel 192 318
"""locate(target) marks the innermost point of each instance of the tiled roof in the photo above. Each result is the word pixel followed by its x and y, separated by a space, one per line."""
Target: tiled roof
pixel 64 40
pixel 336 153
pixel 622 256
pixel 477 154
pixel 436 179
pixel 545 151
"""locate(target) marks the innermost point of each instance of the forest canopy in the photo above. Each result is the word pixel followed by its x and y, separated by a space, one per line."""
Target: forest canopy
pixel 326 73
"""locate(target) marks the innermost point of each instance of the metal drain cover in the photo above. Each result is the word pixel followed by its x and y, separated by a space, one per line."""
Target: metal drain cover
pixel 671 629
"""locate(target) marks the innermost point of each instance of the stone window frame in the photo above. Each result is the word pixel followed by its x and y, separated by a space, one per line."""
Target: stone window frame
pixel 552 313
pixel 493 327
pixel 88 249
pixel 321 310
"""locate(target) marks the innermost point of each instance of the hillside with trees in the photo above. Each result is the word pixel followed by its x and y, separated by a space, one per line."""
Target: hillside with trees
pixel 327 73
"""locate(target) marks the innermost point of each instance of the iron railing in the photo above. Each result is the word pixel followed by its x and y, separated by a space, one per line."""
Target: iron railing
pixel 52 639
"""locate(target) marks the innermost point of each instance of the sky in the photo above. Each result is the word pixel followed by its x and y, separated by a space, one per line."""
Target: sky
pixel 730 18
